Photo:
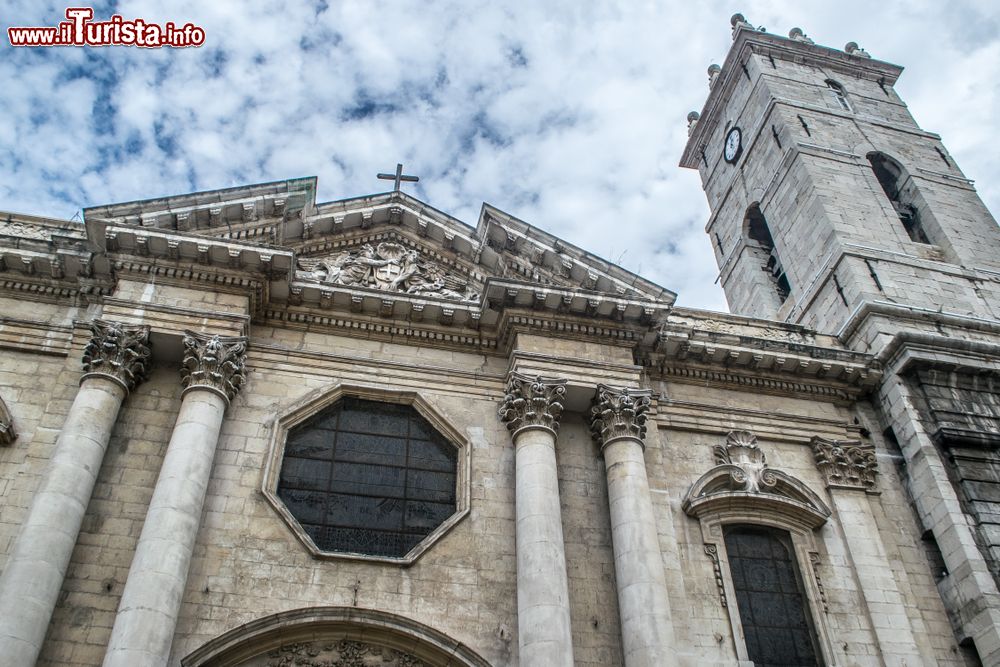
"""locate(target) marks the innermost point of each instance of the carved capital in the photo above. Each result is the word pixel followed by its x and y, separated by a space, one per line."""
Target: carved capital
pixel 618 413
pixel 532 403
pixel 846 463
pixel 7 432
pixel 217 363
pixel 118 352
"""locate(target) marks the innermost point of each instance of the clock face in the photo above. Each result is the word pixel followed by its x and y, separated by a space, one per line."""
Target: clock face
pixel 734 143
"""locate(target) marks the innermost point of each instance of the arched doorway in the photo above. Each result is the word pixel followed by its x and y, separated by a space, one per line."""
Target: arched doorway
pixel 334 637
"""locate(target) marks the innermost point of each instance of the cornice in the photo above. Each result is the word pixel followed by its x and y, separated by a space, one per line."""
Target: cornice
pixel 901 312
pixel 36 337
pixel 212 209
pixel 141 244
pixel 506 234
pixel 367 326
pixel 764 356
pixel 909 351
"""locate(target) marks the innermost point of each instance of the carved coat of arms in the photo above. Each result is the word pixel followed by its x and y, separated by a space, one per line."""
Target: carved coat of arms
pixel 390 267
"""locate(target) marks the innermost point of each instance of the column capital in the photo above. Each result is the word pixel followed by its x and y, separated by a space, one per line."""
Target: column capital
pixel 213 362
pixel 532 402
pixel 618 413
pixel 846 464
pixel 118 352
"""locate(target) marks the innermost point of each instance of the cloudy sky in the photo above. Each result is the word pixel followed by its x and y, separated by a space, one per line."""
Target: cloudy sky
pixel 569 115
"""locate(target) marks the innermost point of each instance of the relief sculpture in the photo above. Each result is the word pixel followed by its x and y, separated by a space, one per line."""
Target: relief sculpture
pixel 390 267
pixel 343 653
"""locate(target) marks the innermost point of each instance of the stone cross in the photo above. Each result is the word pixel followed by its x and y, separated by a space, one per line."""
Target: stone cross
pixel 397 177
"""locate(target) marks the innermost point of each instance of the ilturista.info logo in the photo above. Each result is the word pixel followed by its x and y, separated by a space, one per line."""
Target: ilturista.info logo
pixel 80 29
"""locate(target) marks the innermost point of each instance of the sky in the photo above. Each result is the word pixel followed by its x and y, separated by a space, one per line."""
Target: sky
pixel 569 115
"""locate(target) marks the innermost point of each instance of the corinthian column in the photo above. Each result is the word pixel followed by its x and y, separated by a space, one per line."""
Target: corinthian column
pixel 115 360
pixel 212 373
pixel 531 411
pixel 618 424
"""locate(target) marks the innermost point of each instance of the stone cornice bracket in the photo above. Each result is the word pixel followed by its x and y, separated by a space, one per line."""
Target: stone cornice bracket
pixel 846 464
pixel 532 402
pixel 617 414
pixel 216 363
pixel 118 352
pixel 7 432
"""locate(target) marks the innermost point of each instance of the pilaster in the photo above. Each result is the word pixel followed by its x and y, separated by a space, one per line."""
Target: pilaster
pixel 850 471
pixel 969 591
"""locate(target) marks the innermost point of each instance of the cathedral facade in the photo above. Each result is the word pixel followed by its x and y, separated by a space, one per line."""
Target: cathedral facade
pixel 246 428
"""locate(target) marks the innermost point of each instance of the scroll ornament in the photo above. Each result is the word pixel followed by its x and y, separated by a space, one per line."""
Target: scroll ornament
pixel 750 470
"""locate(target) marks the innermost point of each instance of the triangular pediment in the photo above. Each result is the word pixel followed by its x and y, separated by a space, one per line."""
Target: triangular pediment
pixel 460 257
pixel 437 255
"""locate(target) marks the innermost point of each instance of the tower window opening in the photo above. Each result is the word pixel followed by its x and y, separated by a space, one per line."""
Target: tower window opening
pixel 891 177
pixel 758 231
pixel 839 94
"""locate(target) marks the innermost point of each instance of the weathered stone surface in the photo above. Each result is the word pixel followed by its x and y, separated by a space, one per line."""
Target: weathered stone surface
pixel 213 362
pixel 554 560
pixel 532 402
pixel 117 351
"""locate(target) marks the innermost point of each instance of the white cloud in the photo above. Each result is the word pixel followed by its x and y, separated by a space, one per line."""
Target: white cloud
pixel 570 115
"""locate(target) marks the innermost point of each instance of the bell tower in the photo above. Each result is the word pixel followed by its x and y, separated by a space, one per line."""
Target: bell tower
pixel 827 197
pixel 831 208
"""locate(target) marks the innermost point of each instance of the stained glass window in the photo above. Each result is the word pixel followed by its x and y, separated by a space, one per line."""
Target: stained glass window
pixel 770 598
pixel 368 477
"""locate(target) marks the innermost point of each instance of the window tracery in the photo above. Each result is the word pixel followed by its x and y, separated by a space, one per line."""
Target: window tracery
pixel 769 593
pixel 368 477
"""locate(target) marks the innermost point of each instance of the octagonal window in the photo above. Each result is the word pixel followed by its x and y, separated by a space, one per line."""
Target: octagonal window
pixel 368 477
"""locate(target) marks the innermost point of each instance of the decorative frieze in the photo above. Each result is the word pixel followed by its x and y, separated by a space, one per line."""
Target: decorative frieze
pixel 343 653
pixel 24 230
pixel 846 463
pixel 532 402
pixel 618 413
pixel 390 267
pixel 117 351
pixel 214 362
